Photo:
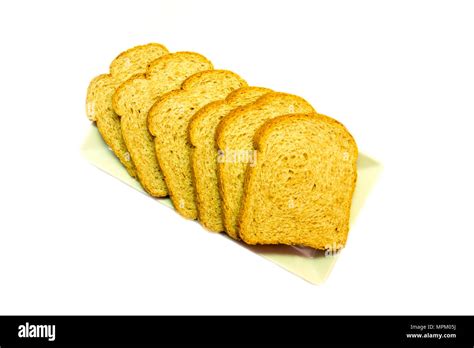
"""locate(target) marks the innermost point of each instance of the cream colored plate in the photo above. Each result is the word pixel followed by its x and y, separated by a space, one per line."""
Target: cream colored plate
pixel 311 265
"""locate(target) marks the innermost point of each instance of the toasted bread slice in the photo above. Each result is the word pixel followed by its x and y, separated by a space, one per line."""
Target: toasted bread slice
pixel 204 157
pixel 168 122
pixel 101 89
pixel 300 191
pixel 234 136
pixel 134 98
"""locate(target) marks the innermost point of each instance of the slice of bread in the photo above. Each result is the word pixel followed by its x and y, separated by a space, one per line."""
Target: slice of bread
pixel 300 191
pixel 101 89
pixel 134 98
pixel 168 122
pixel 204 157
pixel 234 136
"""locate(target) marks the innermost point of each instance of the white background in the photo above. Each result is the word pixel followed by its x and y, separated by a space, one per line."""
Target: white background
pixel 398 74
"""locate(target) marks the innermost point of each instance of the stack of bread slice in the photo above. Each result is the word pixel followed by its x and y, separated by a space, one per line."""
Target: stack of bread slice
pixel 260 165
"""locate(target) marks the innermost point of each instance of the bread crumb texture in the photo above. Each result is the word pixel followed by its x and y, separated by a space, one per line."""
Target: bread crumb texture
pixel 300 190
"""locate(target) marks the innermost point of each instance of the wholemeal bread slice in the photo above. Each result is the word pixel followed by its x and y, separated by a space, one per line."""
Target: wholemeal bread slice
pixel 168 122
pixel 134 98
pixel 234 139
pixel 300 191
pixel 204 153
pixel 99 96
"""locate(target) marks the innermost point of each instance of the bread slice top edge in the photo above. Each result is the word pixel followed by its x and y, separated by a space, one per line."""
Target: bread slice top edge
pixel 153 74
pixel 128 62
pixel 237 113
pixel 198 83
pixel 238 98
pixel 263 132
pixel 201 81
pixel 122 67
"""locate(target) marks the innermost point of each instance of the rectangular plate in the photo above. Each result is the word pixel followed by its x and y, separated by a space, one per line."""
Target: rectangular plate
pixel 312 265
